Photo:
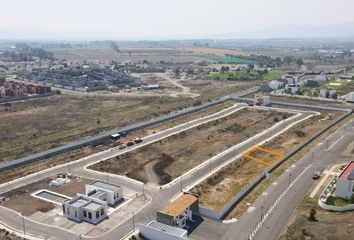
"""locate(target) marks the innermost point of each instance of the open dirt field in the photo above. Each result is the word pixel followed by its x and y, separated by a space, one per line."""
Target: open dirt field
pixel 218 189
pixel 21 198
pixel 32 126
pixel 167 159
pixel 82 152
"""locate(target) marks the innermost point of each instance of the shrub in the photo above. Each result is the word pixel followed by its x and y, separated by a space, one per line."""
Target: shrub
pixel 300 133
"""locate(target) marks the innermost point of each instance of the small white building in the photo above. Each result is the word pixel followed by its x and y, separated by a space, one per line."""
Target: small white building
pixel 83 208
pixel 275 85
pixel 108 192
pixel 345 182
pixel 292 79
pixel 159 231
pixel 324 93
pixel 292 88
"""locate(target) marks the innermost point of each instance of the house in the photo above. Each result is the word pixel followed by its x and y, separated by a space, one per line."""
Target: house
pixel 178 212
pixel 345 182
pixel 292 88
pixel 292 79
pixel 275 85
pixel 311 83
pixel 321 78
pixel 324 93
pixel 84 208
pixel 108 192
pixel 159 231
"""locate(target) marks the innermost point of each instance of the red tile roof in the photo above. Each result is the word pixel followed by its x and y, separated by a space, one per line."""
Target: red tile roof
pixel 347 170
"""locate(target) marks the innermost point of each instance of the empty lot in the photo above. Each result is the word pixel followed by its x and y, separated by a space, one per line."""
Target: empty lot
pixel 222 186
pixel 167 159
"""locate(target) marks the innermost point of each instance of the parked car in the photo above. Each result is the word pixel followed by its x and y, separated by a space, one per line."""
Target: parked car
pixel 2 199
pixel 121 146
pixel 137 140
pixel 316 176
pixel 130 143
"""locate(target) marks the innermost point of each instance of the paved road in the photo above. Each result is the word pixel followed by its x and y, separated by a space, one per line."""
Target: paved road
pixel 278 218
pixel 160 197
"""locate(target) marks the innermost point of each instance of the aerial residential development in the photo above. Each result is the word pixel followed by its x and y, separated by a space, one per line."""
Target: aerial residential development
pixel 176 120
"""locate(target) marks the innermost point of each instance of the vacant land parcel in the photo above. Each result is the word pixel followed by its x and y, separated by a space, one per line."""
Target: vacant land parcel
pixel 221 187
pixel 167 159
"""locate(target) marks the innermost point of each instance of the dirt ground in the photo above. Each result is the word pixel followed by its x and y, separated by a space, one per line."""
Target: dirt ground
pixel 20 199
pixel 172 156
pixel 32 126
pixel 217 190
pixel 280 145
pixel 82 152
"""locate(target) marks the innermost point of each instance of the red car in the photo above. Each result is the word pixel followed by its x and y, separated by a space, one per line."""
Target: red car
pixel 130 143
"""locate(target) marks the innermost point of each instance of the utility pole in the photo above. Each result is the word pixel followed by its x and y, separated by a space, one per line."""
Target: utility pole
pixel 210 165
pixel 24 226
pixel 107 177
pixel 69 167
pixel 289 179
pixel 181 184
pixel 327 143
pixel 133 223
pixel 261 212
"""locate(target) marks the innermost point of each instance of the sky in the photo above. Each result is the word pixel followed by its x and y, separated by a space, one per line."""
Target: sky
pixel 163 19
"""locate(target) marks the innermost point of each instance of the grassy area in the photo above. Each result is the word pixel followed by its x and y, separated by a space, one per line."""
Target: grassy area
pixel 273 75
pixel 224 59
pixel 342 87
pixel 243 75
pixel 332 200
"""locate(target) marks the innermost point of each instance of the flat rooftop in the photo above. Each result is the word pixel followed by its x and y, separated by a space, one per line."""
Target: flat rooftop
pixel 106 186
pixel 93 206
pixel 348 172
pixel 79 202
pixel 168 229
pixel 178 206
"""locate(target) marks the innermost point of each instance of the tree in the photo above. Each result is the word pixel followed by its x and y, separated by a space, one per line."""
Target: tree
pixel 278 61
pixel 312 213
pixel 299 62
pixel 288 60
pixel 57 92
pixel 115 47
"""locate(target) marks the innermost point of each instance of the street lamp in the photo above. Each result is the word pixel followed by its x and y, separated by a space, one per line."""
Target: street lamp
pixel 24 226
pixel 133 223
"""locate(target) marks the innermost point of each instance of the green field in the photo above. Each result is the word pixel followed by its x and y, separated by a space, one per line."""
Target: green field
pixel 223 59
pixel 243 76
